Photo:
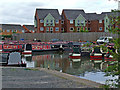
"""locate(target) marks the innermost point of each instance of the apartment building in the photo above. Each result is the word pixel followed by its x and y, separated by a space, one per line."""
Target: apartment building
pixel 9 29
pixel 71 20
pixel 47 21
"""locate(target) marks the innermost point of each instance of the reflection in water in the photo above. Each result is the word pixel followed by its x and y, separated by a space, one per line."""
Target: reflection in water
pixel 81 67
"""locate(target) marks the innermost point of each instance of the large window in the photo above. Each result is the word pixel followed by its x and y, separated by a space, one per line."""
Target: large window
pixel 57 29
pixel 41 28
pixel 71 28
pixel 71 21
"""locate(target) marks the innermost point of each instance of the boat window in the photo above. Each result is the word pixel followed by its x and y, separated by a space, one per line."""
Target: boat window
pixel 28 47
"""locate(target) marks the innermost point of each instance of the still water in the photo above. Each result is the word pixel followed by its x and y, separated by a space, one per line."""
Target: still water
pixel 83 67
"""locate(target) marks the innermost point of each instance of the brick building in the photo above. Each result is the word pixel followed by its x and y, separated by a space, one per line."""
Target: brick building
pixel 47 21
pixel 29 28
pixel 9 29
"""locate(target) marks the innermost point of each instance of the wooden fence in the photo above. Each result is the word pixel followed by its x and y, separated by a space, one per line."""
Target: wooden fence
pixel 84 36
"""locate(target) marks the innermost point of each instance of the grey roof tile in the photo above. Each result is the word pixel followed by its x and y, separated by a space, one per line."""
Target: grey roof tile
pixel 42 13
pixel 74 13
pixel 11 27
pixel 30 27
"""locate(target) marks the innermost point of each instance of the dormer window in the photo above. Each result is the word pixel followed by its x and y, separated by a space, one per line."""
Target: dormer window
pixel 71 21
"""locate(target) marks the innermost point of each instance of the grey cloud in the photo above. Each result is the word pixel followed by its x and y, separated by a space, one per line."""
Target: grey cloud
pixel 21 12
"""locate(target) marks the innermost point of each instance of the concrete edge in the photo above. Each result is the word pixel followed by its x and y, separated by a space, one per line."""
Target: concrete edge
pixel 66 76
pixel 73 78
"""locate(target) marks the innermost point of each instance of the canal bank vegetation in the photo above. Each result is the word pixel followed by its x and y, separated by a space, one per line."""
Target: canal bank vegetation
pixel 114 70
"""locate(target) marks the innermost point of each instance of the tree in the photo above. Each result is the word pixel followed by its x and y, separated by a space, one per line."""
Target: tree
pixel 114 70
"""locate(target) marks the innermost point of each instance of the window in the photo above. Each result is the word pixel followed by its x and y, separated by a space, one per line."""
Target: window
pixel 89 22
pixel 57 21
pixel 51 29
pixel 71 28
pixel 100 28
pixel 15 30
pixel 78 21
pixel 62 29
pixel 106 20
pixel 51 21
pixel 33 30
pixel 12 30
pixel 47 29
pixel 57 29
pixel 23 31
pixel 41 28
pixel 62 22
pixel 8 30
pixel 78 29
pixel 71 21
pixel 41 21
pixel 89 29
pixel 82 23
pixel 100 21
pixel 47 21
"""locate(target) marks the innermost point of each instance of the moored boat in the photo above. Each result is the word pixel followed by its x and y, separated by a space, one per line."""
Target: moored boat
pixel 76 52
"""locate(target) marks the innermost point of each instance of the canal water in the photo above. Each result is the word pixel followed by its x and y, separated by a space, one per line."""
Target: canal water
pixel 83 67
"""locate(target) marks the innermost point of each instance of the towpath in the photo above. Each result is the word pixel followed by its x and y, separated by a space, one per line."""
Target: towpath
pixel 14 77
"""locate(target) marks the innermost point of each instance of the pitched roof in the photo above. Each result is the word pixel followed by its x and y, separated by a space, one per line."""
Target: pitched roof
pixel 30 27
pixel 74 13
pixel 91 16
pixel 42 13
pixel 11 27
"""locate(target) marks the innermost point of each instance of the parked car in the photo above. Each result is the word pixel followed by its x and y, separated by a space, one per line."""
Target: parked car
pixel 104 39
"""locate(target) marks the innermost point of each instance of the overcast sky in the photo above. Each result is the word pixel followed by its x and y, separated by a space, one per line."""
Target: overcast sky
pixel 22 11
